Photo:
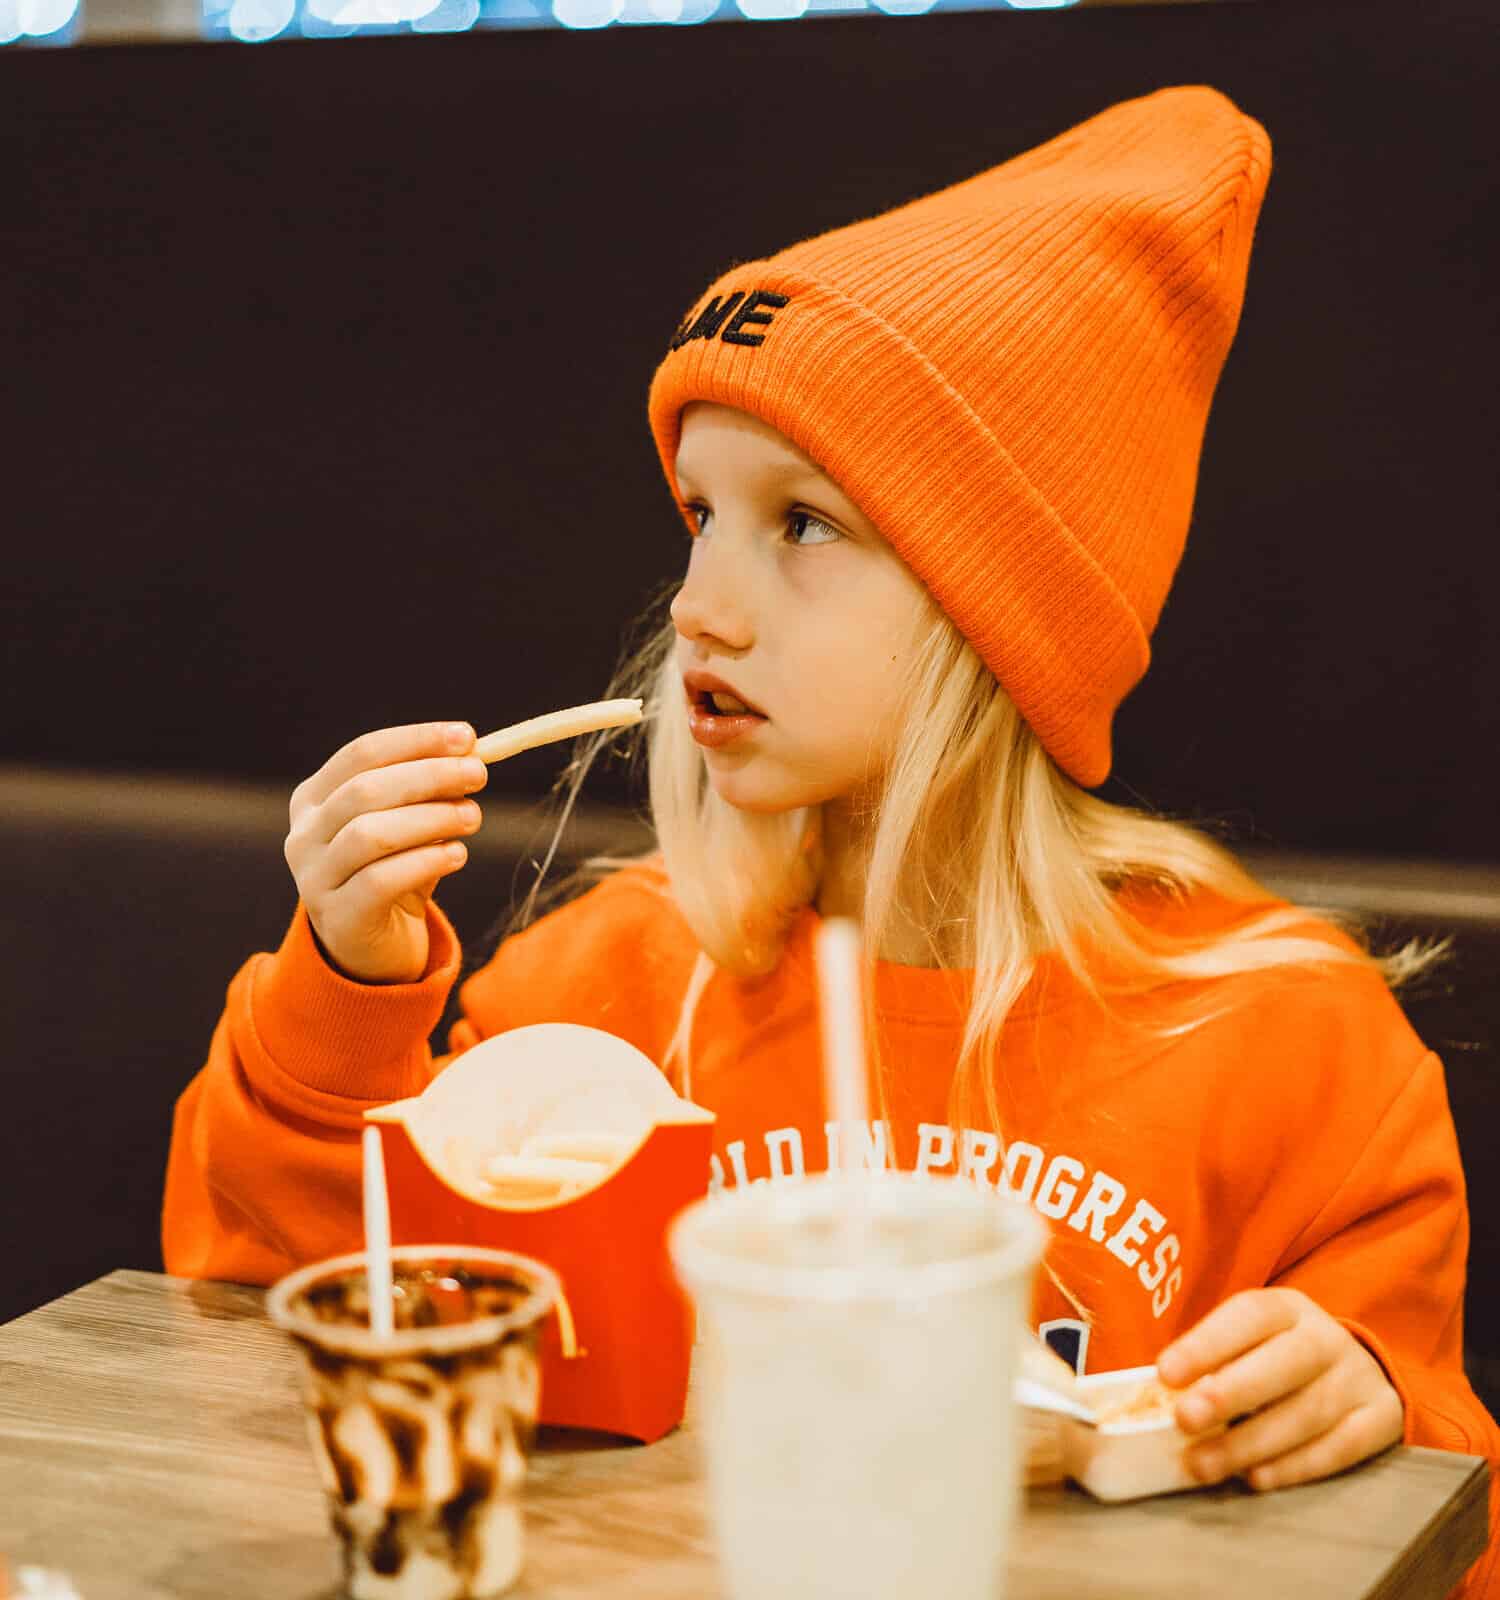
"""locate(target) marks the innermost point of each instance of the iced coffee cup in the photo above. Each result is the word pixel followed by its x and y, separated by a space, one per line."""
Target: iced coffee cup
pixel 860 1434
pixel 421 1436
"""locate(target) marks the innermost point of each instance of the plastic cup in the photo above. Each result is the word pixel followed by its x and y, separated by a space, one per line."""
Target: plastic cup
pixel 421 1436
pixel 855 1383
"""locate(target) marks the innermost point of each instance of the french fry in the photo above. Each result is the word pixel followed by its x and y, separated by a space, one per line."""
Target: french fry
pixel 462 1162
pixel 605 1148
pixel 543 1171
pixel 1149 1399
pixel 554 725
pixel 1044 1447
pixel 527 1194
pixel 1042 1364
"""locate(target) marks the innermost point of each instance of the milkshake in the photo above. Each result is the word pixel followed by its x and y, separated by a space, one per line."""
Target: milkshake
pixel 421 1437
pixel 861 1439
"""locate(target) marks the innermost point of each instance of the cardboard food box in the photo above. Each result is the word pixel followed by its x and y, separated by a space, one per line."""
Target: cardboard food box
pixel 1112 1433
pixel 1135 1451
pixel 566 1144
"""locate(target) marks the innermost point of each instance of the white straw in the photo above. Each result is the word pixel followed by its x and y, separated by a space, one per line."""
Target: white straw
pixel 842 1013
pixel 377 1235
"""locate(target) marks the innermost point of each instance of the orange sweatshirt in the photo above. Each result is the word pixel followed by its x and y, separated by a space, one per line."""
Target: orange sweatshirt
pixel 1301 1138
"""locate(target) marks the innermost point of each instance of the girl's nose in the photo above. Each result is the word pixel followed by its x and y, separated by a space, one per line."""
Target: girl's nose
pixel 713 602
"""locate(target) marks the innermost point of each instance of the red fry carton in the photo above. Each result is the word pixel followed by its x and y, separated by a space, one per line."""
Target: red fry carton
pixel 566 1144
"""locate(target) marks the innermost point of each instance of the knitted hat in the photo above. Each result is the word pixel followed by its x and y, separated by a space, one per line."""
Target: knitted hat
pixel 1011 378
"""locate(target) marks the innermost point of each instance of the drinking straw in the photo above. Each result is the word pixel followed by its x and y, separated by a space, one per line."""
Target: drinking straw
pixel 377 1235
pixel 841 1011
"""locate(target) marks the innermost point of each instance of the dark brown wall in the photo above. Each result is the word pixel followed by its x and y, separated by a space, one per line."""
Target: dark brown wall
pixel 324 369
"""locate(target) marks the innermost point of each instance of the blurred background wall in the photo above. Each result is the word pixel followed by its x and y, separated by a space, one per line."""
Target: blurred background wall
pixel 325 371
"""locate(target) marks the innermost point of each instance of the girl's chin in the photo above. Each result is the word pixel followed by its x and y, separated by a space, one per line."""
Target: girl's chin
pixel 760 798
pixel 758 787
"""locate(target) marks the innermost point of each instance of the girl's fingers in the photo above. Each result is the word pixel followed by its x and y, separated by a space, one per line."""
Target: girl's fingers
pixel 374 836
pixel 387 789
pixel 1237 1325
pixel 1317 1401
pixel 1353 1438
pixel 375 888
pixel 1286 1426
pixel 1282 1365
pixel 403 783
pixel 383 748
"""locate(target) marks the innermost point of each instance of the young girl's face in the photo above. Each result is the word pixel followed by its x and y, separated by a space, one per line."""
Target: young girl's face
pixel 796 607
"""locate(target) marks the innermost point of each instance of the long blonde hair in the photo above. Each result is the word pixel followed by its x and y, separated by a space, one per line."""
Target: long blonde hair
pixel 978 841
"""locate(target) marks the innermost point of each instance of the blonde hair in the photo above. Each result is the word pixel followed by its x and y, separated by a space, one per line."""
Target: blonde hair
pixel 979 844
pixel 981 847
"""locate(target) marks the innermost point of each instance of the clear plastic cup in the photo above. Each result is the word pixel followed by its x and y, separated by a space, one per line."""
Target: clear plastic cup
pixel 861 1439
pixel 421 1437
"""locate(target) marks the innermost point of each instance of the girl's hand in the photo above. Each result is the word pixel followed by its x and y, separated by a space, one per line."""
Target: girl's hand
pixel 1319 1401
pixel 372 832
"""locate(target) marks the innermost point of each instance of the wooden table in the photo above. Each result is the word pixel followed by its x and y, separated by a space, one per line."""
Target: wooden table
pixel 151 1443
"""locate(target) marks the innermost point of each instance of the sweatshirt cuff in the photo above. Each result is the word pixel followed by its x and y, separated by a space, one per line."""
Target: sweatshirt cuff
pixel 320 1034
pixel 1420 1424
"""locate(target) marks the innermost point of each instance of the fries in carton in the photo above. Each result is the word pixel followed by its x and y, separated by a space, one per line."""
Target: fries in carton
pixel 566 1144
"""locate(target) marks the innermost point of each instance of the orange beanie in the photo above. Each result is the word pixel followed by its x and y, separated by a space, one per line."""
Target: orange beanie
pixel 1011 378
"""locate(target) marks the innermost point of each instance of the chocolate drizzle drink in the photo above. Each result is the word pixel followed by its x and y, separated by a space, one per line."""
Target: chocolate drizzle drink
pixel 421 1437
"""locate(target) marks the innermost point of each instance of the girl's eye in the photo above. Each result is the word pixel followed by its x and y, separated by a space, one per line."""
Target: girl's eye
pixel 825 535
pixel 803 528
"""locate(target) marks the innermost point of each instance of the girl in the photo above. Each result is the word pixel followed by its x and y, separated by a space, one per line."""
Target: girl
pixel 937 468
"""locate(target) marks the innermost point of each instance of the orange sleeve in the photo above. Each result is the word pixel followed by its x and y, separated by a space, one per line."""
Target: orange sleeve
pixel 1387 1256
pixel 263 1171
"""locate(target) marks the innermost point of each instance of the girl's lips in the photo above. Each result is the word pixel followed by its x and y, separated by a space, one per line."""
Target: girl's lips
pixel 713 731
